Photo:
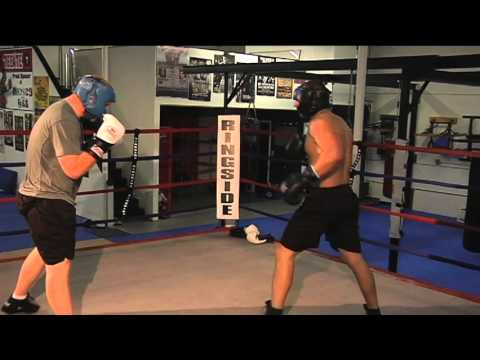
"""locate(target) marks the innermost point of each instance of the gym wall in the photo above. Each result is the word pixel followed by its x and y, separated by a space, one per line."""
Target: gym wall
pixel 132 74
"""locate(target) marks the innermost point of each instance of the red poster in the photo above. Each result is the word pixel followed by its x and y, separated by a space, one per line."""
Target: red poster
pixel 16 60
pixel 16 84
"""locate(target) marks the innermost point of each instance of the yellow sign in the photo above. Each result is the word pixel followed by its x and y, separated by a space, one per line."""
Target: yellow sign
pixel 40 84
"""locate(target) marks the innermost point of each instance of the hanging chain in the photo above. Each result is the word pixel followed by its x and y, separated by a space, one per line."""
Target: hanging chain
pixel 133 171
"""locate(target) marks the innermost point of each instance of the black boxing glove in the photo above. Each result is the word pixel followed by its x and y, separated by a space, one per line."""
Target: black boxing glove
pixel 295 149
pixel 295 185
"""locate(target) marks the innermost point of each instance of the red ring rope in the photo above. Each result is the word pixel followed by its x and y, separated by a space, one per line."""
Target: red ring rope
pixel 457 153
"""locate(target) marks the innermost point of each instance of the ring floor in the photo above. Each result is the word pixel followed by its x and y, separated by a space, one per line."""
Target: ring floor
pixel 423 237
pixel 214 274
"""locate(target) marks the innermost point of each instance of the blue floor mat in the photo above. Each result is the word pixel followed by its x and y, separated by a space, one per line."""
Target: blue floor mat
pixel 426 238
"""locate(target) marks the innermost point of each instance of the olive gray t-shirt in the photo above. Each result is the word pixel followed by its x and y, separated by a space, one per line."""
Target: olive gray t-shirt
pixel 57 132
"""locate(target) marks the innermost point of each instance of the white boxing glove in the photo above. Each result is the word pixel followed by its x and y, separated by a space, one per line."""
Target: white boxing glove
pixel 109 133
pixel 252 234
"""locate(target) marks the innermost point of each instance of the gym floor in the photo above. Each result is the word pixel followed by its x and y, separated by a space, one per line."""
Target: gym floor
pixel 178 266
pixel 216 274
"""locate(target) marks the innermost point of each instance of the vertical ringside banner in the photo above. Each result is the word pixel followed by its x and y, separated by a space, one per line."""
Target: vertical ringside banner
pixel 228 167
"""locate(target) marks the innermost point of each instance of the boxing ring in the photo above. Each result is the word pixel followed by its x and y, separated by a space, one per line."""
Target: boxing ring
pixel 194 266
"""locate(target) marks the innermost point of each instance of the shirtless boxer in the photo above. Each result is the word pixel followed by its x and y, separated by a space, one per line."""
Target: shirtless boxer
pixel 329 205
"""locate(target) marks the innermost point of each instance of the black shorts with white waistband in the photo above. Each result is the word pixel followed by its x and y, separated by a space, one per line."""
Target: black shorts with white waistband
pixel 331 211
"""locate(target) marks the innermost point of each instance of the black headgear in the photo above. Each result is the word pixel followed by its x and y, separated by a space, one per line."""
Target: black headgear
pixel 312 96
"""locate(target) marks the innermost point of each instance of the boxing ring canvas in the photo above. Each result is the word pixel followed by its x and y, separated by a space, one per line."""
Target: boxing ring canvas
pixel 215 274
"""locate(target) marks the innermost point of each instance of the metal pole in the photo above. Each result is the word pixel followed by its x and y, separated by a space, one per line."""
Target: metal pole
pixel 411 142
pixel 225 92
pixel 67 70
pixel 402 135
pixel 360 87
pixel 73 75
pixel 269 150
pixel 60 66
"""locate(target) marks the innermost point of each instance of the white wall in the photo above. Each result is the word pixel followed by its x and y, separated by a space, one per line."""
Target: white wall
pixel 132 74
pixel 282 51
pixel 385 51
pixel 344 93
pixel 437 100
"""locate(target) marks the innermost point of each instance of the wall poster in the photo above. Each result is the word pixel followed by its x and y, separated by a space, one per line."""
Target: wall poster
pixel 265 84
pixel 219 79
pixel 284 88
pixel 170 79
pixel 200 84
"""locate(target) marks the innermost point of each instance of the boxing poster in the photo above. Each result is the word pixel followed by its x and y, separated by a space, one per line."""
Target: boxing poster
pixel 41 91
pixel 170 80
pixel 200 84
pixel 8 119
pixel 219 79
pixel 265 84
pixel 284 88
pixel 28 126
pixel 19 143
pixel 228 167
pixel 247 91
pixel 16 82
pixel 2 127
pixel 53 99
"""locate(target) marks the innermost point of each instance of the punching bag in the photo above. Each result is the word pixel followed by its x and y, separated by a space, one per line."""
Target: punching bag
pixel 471 239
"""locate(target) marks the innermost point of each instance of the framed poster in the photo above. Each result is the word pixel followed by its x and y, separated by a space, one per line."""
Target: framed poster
pixel 2 127
pixel 28 126
pixel 41 91
pixel 219 79
pixel 8 118
pixel 16 81
pixel 247 91
pixel 265 84
pixel 19 143
pixel 170 79
pixel 284 88
pixel 200 84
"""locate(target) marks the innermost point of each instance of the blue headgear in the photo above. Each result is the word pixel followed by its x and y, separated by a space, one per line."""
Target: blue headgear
pixel 95 94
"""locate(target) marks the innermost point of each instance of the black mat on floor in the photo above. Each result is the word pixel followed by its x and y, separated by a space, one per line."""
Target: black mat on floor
pixel 107 232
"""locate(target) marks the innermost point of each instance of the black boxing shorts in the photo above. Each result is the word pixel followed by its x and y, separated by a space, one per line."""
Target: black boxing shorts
pixel 331 211
pixel 52 225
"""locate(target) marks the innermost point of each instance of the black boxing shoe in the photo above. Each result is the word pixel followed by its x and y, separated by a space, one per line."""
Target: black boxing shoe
pixel 371 311
pixel 270 310
pixel 14 306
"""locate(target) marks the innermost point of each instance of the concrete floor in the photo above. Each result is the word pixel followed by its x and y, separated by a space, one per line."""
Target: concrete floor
pixel 216 274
